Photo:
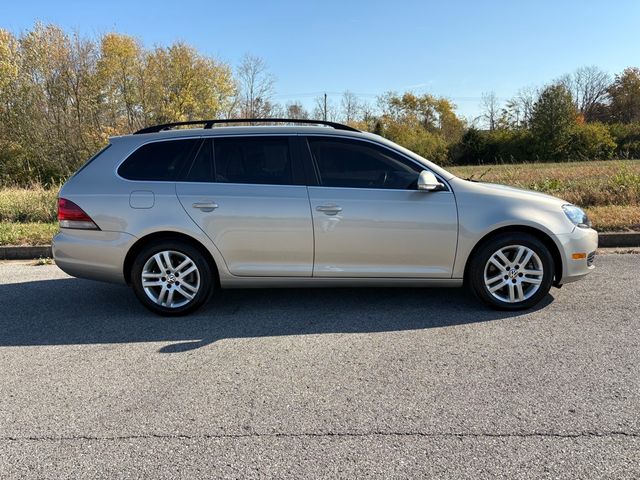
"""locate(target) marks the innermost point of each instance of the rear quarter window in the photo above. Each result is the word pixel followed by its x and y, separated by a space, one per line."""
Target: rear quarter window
pixel 159 161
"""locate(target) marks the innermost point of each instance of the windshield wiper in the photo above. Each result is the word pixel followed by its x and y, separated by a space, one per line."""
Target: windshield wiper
pixel 472 179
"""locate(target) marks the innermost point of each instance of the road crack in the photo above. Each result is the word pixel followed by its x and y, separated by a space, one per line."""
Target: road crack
pixel 211 436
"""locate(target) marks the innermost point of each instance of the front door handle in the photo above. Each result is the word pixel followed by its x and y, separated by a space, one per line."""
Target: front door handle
pixel 205 206
pixel 329 209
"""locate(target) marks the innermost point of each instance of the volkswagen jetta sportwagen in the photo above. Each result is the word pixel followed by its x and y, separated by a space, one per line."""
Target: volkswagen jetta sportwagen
pixel 179 213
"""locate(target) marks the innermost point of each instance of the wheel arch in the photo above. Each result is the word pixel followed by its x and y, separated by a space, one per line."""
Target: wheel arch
pixel 539 234
pixel 166 235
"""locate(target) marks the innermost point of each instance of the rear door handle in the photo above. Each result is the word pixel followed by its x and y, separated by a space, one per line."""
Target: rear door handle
pixel 329 209
pixel 205 206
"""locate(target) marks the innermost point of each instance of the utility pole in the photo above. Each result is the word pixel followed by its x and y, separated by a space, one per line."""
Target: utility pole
pixel 325 107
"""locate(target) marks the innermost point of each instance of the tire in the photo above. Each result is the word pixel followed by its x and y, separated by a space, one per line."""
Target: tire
pixel 182 294
pixel 505 282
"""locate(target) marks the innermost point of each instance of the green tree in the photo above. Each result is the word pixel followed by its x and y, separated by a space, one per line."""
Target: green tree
pixel 625 96
pixel 552 119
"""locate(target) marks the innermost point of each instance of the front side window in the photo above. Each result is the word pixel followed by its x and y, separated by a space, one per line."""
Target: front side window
pixel 355 164
pixel 159 161
pixel 256 160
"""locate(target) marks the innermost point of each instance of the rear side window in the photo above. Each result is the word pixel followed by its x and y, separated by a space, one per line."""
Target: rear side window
pixel 158 161
pixel 202 168
pixel 257 160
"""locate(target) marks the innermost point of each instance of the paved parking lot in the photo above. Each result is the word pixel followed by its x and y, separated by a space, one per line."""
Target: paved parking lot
pixel 348 383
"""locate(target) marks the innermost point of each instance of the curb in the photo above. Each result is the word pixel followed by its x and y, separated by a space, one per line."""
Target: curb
pixel 25 253
pixel 619 239
pixel 606 240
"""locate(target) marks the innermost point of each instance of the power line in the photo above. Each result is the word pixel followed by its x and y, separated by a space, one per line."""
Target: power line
pixel 369 95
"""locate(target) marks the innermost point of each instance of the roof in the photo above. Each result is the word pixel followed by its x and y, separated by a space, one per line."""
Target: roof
pixel 244 130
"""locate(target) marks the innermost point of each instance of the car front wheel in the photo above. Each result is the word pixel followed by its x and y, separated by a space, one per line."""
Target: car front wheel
pixel 512 271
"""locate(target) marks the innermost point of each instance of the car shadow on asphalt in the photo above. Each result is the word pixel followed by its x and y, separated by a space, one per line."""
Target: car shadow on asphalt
pixel 72 311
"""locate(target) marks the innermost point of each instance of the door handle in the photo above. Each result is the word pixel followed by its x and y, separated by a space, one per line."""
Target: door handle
pixel 205 206
pixel 329 209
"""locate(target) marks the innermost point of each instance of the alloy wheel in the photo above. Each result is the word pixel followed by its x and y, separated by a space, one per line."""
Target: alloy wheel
pixel 170 279
pixel 513 273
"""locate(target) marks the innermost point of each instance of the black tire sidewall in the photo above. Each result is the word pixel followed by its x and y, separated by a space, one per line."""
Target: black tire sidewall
pixel 206 278
pixel 488 248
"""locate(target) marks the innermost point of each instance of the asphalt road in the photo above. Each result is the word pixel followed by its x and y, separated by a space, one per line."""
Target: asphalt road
pixel 387 383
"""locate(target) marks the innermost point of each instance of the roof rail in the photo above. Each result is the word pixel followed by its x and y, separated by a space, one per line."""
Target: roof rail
pixel 211 123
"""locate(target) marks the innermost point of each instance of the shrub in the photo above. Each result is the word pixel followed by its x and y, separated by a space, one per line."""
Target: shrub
pixel 430 145
pixel 590 141
pixel 627 139
pixel 497 146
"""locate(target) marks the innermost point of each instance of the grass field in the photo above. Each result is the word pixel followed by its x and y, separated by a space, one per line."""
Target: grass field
pixel 608 190
pixel 27 233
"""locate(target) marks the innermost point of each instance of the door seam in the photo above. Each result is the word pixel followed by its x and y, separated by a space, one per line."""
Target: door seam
pixel 313 233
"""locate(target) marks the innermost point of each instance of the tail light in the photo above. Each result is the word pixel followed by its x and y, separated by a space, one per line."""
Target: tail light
pixel 71 215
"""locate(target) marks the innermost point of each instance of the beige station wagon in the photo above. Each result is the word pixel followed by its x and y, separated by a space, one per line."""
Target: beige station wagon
pixel 180 213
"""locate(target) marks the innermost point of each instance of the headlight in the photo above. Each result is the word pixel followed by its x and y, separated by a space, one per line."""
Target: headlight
pixel 577 216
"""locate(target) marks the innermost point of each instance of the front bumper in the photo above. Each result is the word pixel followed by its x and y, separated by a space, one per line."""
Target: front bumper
pixel 92 254
pixel 580 241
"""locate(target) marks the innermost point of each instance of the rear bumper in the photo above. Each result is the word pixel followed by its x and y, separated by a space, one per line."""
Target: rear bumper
pixel 92 254
pixel 580 241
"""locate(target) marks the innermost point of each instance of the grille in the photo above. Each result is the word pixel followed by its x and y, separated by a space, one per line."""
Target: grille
pixel 590 258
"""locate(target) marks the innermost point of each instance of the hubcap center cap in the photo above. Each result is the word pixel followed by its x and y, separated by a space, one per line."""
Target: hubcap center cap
pixel 513 273
pixel 171 278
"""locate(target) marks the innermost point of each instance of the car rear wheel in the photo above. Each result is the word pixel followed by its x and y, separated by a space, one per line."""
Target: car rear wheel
pixel 171 278
pixel 511 271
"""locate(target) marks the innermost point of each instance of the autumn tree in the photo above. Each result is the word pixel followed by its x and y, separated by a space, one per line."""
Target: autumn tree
pixel 184 85
pixel 122 76
pixel 425 124
pixel 63 95
pixel 54 109
pixel 295 110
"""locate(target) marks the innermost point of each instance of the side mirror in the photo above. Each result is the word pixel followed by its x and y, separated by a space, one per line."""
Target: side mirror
pixel 428 182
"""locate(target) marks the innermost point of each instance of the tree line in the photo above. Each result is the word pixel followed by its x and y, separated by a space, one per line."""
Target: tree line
pixel 63 95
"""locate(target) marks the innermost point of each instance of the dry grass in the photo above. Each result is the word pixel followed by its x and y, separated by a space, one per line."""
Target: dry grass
pixel 587 184
pixel 615 218
pixel 28 205
pixel 27 233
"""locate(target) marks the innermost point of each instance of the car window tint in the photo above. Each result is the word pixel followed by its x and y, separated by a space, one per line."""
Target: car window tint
pixel 202 167
pixel 356 164
pixel 158 160
pixel 258 160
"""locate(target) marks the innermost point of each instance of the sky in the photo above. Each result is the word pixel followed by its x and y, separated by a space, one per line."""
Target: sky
pixel 455 49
